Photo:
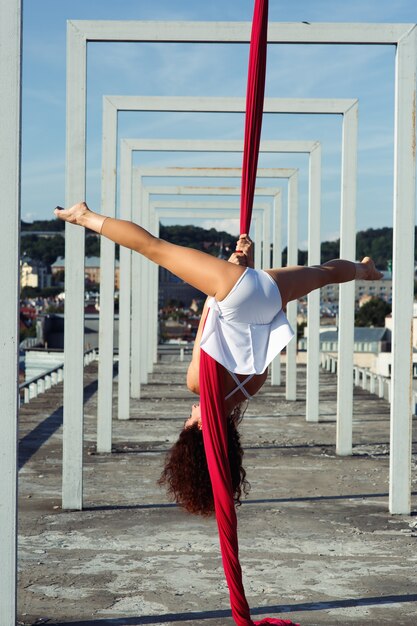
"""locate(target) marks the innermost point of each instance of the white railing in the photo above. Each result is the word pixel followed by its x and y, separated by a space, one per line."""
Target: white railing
pixel 29 342
pixel 41 383
pixel 364 378
pixel 174 350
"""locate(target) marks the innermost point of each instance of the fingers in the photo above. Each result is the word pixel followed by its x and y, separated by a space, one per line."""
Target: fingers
pixel 243 244
pixel 238 259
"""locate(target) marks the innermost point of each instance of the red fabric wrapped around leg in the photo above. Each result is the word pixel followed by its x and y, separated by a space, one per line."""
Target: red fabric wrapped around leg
pixel 215 443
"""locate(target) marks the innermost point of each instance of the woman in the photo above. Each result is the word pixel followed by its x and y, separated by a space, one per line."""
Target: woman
pixel 243 327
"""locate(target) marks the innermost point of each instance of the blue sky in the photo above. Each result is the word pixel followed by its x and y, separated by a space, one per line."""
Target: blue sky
pixel 364 72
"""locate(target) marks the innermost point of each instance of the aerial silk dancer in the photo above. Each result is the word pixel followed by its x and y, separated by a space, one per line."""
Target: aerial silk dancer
pixel 213 410
pixel 242 329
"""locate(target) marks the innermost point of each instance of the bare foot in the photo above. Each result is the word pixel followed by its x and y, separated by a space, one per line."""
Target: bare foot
pixel 81 215
pixel 366 270
pixel 245 247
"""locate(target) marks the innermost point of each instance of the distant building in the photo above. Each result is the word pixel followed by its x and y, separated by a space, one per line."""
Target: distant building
pixel 372 288
pixel 92 269
pixel 172 288
pixel 366 339
pixel 34 274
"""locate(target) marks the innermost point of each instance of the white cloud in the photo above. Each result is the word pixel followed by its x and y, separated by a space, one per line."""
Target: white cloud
pixel 228 225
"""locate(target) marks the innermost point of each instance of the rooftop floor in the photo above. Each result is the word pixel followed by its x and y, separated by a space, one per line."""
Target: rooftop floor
pixel 317 543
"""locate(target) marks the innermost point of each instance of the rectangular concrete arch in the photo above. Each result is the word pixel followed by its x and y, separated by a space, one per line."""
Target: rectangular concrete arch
pixel 179 191
pixel 197 172
pixel 129 146
pixel 403 36
pixel 348 108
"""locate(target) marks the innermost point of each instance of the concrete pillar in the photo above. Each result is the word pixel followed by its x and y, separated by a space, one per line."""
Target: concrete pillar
pixel 347 290
pixel 107 276
pixel 292 259
pixel 313 299
pixel 277 262
pixel 125 290
pixel 72 462
pixel 403 273
pixel 10 133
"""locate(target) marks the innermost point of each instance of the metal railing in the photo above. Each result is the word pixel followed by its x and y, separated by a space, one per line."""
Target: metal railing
pixel 366 379
pixel 41 383
pixel 175 350
pixel 29 342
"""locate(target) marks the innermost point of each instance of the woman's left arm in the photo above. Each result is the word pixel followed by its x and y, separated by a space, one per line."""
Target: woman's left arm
pixel 194 367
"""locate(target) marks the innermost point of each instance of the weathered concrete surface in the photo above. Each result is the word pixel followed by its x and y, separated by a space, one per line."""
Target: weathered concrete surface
pixel 316 541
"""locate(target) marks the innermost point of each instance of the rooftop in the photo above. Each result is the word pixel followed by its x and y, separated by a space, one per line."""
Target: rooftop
pixel 317 543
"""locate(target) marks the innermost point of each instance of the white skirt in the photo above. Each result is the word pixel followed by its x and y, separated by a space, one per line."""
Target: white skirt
pixel 248 329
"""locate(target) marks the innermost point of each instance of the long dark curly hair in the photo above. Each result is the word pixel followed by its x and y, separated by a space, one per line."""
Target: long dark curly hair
pixel 186 474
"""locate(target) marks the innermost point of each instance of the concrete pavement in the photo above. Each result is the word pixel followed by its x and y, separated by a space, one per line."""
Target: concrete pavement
pixel 317 543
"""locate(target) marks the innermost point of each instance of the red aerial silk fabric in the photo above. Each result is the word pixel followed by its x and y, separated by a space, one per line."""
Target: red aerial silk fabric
pixel 211 389
pixel 254 109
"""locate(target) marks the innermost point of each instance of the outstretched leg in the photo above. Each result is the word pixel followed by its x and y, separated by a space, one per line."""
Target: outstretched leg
pixel 212 276
pixel 297 281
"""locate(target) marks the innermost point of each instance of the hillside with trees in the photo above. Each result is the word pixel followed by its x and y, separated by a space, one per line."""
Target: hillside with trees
pixel 374 242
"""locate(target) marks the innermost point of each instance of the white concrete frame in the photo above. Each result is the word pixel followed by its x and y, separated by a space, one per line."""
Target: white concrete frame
pixel 403 36
pixel 113 104
pixel 174 208
pixel 348 108
pixel 150 352
pixel 10 136
pixel 313 149
pixel 214 172
pixel 181 190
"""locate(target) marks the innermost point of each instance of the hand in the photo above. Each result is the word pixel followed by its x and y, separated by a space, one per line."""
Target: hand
pixel 238 258
pixel 244 245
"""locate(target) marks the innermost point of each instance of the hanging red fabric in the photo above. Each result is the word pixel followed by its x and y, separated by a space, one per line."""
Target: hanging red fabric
pixel 254 108
pixel 211 389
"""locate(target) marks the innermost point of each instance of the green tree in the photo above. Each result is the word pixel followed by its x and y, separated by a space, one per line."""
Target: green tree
pixel 372 313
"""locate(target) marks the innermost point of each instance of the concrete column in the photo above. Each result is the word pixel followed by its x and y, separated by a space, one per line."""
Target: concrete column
pixel 137 295
pixel 123 407
pixel 72 462
pixel 258 245
pixel 277 262
pixel 403 273
pixel 10 136
pixel 292 259
pixel 313 299
pixel 107 268
pixel 266 240
pixel 347 290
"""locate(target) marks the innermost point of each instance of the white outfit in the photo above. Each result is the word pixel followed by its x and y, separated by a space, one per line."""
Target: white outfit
pixel 245 331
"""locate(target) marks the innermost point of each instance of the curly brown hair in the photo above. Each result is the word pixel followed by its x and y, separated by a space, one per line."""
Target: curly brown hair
pixel 186 474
